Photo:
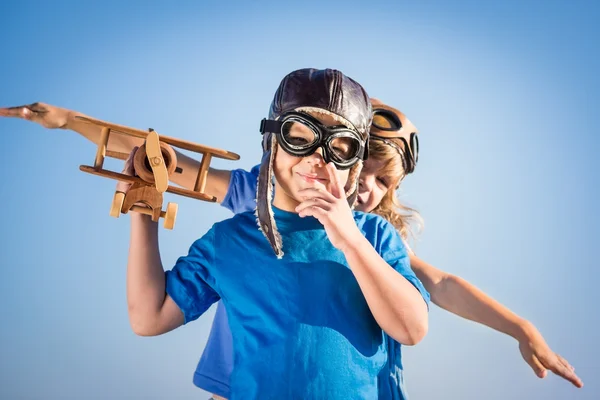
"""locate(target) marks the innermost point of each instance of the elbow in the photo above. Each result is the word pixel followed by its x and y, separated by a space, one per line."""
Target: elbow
pixel 419 325
pixel 141 329
pixel 410 333
pixel 141 324
pixel 416 333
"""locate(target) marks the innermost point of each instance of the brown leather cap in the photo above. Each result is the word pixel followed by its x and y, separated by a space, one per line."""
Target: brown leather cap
pixel 327 89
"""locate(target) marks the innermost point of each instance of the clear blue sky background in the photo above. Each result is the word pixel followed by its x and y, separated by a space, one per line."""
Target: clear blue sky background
pixel 505 94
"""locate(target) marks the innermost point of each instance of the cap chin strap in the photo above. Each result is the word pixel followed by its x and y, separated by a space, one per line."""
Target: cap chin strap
pixel 352 192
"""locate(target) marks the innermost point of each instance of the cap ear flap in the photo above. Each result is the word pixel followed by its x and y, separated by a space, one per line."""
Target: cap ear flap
pixel 266 141
pixel 352 192
pixel 264 197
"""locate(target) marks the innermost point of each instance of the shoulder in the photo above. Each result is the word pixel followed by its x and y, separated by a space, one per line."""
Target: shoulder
pixel 379 231
pixel 237 221
pixel 243 175
pixel 227 228
pixel 368 222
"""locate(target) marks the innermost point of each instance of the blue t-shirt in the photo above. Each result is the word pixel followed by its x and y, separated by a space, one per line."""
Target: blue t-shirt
pixel 215 366
pixel 301 326
pixel 241 193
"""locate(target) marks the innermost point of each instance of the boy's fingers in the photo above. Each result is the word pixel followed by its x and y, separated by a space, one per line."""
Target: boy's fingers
pixel 340 184
pixel 313 211
pixel 315 202
pixel 310 193
pixel 122 187
pixel 127 170
pixel 334 180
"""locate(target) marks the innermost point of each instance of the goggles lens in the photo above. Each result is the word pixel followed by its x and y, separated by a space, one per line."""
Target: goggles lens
pixel 386 120
pixel 344 148
pixel 298 134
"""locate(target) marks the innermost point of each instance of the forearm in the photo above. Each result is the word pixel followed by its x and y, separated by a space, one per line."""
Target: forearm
pixel 458 296
pixel 145 275
pixel 396 304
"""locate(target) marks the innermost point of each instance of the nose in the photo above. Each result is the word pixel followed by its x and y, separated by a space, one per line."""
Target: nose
pixel 317 157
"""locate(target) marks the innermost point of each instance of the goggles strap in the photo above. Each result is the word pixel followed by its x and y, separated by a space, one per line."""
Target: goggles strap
pixel 407 165
pixel 270 126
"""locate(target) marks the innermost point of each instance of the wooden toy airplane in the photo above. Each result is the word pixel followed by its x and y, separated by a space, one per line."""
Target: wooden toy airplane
pixel 154 162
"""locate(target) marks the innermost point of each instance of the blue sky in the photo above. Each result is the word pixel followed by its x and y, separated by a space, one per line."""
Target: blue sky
pixel 505 95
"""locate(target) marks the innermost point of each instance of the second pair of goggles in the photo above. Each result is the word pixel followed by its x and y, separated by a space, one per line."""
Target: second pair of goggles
pixel 387 127
pixel 300 135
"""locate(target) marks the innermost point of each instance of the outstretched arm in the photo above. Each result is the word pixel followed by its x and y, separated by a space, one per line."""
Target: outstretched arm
pixel 53 117
pixel 459 297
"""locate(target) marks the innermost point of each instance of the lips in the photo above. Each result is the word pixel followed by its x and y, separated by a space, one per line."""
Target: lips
pixel 312 178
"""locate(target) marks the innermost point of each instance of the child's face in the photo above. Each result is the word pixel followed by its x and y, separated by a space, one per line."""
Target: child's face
pixel 292 174
pixel 372 185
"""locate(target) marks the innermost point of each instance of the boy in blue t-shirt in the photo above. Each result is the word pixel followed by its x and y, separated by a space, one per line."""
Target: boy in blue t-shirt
pixel 307 323
pixel 216 363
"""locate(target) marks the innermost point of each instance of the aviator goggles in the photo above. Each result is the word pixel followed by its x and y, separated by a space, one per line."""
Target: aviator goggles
pixel 300 135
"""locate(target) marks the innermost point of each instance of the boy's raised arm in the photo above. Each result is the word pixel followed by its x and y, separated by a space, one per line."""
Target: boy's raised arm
pixel 151 311
pixel 395 303
pixel 151 306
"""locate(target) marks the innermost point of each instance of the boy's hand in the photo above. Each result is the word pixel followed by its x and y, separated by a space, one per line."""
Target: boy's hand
pixel 127 170
pixel 331 208
pixel 540 357
pixel 48 116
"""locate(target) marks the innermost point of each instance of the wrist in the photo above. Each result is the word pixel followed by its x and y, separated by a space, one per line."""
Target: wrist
pixel 69 120
pixel 353 242
pixel 523 330
pixel 140 218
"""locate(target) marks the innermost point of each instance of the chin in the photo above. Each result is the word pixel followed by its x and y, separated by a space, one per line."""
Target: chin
pixel 360 207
